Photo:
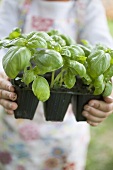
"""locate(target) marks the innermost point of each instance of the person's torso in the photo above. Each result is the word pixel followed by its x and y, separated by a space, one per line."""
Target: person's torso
pixel 39 15
pixel 46 15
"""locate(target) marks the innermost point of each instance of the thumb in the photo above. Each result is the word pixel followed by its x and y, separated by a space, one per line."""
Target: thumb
pixel 108 99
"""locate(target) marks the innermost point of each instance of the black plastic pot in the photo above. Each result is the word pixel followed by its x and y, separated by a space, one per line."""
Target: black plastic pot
pixel 78 102
pixel 56 106
pixel 27 102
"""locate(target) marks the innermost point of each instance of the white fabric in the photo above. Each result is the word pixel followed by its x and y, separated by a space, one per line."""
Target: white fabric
pixel 79 20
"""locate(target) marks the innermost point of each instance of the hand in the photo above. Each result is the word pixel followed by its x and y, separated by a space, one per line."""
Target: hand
pixel 7 94
pixel 97 111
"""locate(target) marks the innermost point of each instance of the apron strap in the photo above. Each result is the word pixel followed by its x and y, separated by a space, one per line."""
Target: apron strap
pixel 24 9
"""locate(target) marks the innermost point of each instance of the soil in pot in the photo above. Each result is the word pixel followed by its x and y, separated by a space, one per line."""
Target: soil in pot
pixel 56 106
pixel 78 102
pixel 26 100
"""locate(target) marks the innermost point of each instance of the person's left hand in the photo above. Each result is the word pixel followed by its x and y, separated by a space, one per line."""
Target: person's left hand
pixel 97 111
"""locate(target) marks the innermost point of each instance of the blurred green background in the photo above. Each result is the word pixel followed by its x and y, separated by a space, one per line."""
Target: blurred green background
pixel 110 24
pixel 100 153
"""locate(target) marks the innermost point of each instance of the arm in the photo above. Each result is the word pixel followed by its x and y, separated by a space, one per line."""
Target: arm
pixel 8 20
pixel 95 29
pixel 9 14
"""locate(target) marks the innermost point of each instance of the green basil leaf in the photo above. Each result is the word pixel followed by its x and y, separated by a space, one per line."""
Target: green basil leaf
pixel 99 85
pixel 111 54
pixel 108 73
pixel 108 89
pixel 78 67
pixel 99 90
pixel 15 60
pixel 86 50
pixel 69 41
pixel 28 76
pixel 36 42
pixel 40 69
pixel 65 52
pixel 86 44
pixel 53 32
pixel 77 53
pixel 87 79
pixel 98 63
pixel 59 40
pixel 44 35
pixel 100 47
pixel 16 32
pixel 53 45
pixel 49 60
pixel 16 42
pixel 1 44
pixel 30 35
pixel 69 79
pixel 41 88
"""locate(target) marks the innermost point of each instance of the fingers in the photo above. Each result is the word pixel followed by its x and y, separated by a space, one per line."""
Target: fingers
pixel 101 105
pixel 6 100
pixel 97 111
pixel 6 85
pixel 7 94
pixel 10 112
pixel 108 99
pixel 8 105
pixel 92 119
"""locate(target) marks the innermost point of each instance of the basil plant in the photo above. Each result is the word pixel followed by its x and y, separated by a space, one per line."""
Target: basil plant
pixel 38 54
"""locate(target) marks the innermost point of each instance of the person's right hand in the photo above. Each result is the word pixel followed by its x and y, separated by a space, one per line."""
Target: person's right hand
pixel 7 94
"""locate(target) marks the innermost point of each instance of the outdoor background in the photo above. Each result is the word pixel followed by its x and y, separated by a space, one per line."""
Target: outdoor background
pixel 100 153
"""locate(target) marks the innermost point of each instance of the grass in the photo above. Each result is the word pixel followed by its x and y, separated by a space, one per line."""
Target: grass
pixel 110 24
pixel 100 153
